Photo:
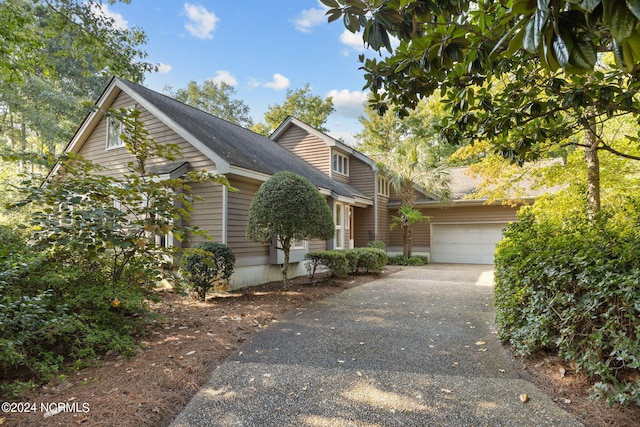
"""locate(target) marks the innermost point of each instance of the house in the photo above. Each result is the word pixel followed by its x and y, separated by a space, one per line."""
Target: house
pixel 361 199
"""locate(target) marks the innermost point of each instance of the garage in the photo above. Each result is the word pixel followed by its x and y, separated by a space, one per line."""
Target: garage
pixel 465 243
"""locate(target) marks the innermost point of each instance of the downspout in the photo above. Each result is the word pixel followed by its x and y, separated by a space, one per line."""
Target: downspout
pixel 375 204
pixel 225 206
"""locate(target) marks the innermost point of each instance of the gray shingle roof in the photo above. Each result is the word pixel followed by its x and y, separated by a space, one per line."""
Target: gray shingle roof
pixel 234 144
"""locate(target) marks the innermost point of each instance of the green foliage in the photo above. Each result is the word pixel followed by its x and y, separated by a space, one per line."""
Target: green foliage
pixel 365 260
pixel 123 218
pixel 57 57
pixel 340 263
pixel 301 104
pixel 285 208
pixel 406 218
pixel 76 287
pixel 57 311
pixel 378 244
pixel 207 265
pixel 409 261
pixel 335 261
pixel 215 98
pixel 573 287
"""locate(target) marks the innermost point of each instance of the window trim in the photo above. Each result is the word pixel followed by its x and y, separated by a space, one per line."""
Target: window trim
pixel 120 126
pixel 384 186
pixel 340 163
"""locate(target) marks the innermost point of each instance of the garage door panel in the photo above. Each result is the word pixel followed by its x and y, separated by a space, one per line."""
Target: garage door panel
pixel 465 243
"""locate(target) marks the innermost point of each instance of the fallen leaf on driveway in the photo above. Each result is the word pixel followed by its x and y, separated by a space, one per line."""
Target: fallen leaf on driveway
pixel 524 397
pixel 480 343
pixel 446 390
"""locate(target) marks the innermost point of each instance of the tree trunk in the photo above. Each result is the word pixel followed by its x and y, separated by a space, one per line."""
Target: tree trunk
pixel 593 172
pixel 405 241
pixel 409 241
pixel 286 248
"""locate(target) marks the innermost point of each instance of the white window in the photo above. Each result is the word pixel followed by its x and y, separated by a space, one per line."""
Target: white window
pixel 298 245
pixel 340 164
pixel 383 186
pixel 114 130
pixel 339 220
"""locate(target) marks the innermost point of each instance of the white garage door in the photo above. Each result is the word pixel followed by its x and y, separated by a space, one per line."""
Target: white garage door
pixel 465 243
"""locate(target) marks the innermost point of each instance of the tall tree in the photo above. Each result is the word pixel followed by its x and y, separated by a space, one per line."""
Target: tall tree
pixel 301 104
pixel 214 98
pixel 408 152
pixel 57 56
pixel 523 75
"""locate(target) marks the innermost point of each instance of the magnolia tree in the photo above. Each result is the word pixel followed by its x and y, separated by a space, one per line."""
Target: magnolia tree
pixel 287 207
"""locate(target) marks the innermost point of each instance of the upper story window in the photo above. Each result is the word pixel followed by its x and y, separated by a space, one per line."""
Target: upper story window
pixel 115 128
pixel 340 164
pixel 383 186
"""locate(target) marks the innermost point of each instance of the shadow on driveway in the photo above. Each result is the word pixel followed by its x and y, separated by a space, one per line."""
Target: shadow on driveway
pixel 416 348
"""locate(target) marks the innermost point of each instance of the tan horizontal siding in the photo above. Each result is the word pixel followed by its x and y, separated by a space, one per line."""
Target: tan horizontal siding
pixel 362 177
pixel 115 160
pixel 207 213
pixel 364 226
pixel 452 215
pixel 237 216
pixel 309 148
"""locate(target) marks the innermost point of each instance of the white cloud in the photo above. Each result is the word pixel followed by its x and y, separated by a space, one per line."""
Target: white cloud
pixel 279 82
pixel 164 68
pixel 201 23
pixel 309 18
pixel 103 10
pixel 352 40
pixel 348 104
pixel 224 76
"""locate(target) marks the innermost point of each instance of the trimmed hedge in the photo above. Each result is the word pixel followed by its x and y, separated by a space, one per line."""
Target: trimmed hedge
pixel 409 261
pixel 340 263
pixel 574 289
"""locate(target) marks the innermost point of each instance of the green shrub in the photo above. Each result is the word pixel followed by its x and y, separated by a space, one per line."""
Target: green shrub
pixel 574 289
pixel 408 261
pixel 334 261
pixel 378 244
pixel 207 265
pixel 60 310
pixel 340 263
pixel 365 260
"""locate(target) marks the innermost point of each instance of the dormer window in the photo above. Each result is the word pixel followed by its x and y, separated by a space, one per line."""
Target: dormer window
pixel 340 164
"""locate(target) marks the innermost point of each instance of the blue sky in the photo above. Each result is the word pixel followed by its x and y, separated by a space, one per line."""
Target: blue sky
pixel 260 47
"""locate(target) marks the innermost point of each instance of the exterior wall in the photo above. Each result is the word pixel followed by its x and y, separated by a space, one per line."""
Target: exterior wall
pixel 364 226
pixel 207 213
pixel 115 160
pixel 246 251
pixel 336 176
pixel 362 177
pixel 308 147
pixel 421 235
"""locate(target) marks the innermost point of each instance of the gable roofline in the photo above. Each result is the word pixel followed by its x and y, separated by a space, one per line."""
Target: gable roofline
pixel 331 142
pixel 232 148
pixel 113 89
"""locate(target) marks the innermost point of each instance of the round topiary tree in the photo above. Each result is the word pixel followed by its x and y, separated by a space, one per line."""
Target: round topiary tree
pixel 288 207
pixel 206 265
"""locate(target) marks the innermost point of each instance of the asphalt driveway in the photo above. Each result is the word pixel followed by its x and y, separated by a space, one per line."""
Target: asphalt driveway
pixel 417 348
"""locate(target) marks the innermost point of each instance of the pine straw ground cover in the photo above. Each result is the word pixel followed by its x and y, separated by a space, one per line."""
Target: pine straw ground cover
pixel 190 339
